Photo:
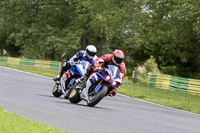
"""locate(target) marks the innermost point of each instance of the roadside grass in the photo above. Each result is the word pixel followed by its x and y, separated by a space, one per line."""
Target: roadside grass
pixel 31 69
pixel 12 123
pixel 179 100
pixel 175 99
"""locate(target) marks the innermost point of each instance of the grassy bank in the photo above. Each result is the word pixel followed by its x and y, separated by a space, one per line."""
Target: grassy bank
pixel 169 98
pixel 12 123
pixel 31 69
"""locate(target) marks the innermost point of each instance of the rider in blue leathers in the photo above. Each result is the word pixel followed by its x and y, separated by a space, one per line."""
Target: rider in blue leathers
pixel 87 55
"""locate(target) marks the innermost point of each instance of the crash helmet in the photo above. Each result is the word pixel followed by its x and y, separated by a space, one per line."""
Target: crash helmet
pixel 118 57
pixel 91 51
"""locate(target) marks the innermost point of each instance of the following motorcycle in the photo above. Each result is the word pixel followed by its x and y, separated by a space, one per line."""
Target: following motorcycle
pixel 98 85
pixel 67 81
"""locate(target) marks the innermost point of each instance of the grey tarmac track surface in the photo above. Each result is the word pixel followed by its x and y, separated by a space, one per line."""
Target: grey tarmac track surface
pixel 30 96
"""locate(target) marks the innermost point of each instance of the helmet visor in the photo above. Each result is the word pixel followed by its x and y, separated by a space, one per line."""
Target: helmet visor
pixel 91 53
pixel 118 60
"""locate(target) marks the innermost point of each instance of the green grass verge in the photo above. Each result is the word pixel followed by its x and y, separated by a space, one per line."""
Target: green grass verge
pixel 12 123
pixel 169 98
pixel 31 69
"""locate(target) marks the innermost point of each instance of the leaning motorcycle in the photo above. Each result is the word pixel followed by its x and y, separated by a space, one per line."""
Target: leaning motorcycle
pixel 98 85
pixel 67 81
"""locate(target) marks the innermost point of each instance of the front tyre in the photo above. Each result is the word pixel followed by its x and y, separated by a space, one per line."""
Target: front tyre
pixel 96 98
pixel 68 92
pixel 56 92
pixel 74 97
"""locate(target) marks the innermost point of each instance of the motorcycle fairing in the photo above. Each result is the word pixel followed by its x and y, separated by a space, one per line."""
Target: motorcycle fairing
pixel 71 74
pixel 84 94
pixel 98 87
pixel 79 69
pixel 72 81
pixel 96 77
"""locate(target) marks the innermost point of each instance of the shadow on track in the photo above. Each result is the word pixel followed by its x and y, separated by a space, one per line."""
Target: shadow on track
pixel 67 102
pixel 51 96
pixel 84 105
pixel 45 95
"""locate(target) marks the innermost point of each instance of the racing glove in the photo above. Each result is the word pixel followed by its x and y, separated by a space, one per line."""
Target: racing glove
pixel 73 63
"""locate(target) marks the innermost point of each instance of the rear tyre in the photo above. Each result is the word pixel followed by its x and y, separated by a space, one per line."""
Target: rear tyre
pixel 96 98
pixel 56 92
pixel 74 97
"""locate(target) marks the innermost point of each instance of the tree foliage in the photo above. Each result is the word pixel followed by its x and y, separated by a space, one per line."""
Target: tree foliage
pixel 167 30
pixel 173 36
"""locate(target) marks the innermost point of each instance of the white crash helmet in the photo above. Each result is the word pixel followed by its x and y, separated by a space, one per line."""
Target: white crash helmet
pixel 91 51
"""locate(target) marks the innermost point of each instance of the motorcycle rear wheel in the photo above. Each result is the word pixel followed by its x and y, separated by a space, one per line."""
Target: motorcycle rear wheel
pixel 94 99
pixel 56 92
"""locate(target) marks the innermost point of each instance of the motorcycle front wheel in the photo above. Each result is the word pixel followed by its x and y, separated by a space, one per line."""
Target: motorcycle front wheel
pixel 68 92
pixel 96 98
pixel 74 97
pixel 56 92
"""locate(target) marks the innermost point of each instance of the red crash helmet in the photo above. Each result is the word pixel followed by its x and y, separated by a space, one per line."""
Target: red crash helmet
pixel 118 57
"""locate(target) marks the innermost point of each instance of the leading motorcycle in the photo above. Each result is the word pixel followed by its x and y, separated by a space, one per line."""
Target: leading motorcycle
pixel 98 85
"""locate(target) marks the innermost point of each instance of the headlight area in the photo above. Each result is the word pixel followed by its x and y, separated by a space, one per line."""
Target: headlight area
pixel 114 83
pixel 108 77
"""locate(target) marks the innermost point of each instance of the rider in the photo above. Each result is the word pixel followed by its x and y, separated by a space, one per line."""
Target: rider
pixel 109 59
pixel 88 55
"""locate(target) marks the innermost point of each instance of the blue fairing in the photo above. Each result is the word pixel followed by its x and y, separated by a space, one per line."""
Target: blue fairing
pixel 72 81
pixel 110 72
pixel 107 82
pixel 98 87
pixel 100 76
pixel 78 70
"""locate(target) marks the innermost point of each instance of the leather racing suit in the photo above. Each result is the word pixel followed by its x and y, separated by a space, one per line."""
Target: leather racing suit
pixel 80 55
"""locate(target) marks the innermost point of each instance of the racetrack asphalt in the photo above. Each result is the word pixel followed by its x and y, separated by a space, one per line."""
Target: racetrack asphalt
pixel 30 96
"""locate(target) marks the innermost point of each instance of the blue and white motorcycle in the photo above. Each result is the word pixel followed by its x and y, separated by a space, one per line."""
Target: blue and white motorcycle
pixel 67 81
pixel 98 85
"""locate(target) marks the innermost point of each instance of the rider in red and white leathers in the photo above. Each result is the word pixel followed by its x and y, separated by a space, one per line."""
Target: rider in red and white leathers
pixel 109 59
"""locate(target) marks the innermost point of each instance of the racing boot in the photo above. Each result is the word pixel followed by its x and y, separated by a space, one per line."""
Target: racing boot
pixel 82 79
pixel 57 78
pixel 113 93
pixel 81 82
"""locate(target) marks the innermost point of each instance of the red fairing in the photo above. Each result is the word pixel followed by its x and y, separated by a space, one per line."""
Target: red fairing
pixel 68 74
pixel 108 57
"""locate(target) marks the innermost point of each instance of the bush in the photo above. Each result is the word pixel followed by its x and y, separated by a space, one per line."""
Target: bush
pixel 151 66
pixel 148 67
pixel 171 70
pixel 129 72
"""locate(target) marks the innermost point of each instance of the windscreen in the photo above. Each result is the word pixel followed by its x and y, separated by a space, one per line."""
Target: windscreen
pixel 115 70
pixel 85 64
